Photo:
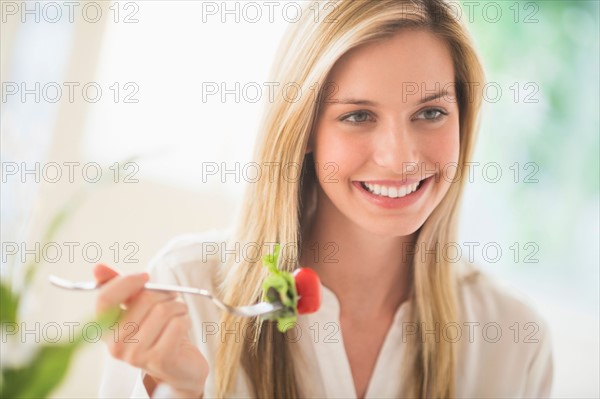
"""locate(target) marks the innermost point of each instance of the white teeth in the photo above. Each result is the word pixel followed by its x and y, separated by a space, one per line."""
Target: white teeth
pixel 391 191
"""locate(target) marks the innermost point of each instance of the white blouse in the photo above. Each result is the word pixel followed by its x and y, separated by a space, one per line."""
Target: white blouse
pixel 504 345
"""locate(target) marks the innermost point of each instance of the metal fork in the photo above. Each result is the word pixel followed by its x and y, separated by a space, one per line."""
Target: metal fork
pixel 259 309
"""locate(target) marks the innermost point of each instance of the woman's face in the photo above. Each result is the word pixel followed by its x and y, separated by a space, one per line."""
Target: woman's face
pixel 389 121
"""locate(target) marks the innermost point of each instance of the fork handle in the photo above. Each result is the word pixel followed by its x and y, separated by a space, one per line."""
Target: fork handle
pixel 177 288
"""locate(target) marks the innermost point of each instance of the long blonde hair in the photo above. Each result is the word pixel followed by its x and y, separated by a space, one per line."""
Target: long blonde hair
pixel 277 207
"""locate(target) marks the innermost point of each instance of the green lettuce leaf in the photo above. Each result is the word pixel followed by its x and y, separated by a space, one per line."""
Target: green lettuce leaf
pixel 279 286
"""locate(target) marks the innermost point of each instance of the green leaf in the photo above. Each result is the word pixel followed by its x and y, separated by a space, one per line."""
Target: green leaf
pixel 280 286
pixel 49 366
pixel 50 363
pixel 41 376
pixel 9 303
pixel 285 323
pixel 270 260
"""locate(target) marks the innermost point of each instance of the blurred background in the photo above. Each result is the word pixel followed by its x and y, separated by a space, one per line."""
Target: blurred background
pixel 158 99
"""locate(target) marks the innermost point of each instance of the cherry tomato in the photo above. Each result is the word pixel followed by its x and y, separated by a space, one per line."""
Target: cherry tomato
pixel 308 286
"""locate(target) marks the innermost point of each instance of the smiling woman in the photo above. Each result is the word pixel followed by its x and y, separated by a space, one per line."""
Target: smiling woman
pixel 387 139
pixel 396 118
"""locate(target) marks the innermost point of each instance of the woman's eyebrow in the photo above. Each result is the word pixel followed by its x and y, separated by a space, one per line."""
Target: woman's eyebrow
pixel 435 96
pixel 355 101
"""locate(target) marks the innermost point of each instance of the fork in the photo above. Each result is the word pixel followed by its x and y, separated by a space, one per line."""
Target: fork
pixel 259 309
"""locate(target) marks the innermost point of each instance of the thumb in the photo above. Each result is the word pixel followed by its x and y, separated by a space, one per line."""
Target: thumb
pixel 103 273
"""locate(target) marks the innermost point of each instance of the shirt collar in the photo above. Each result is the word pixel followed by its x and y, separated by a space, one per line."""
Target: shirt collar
pixel 330 306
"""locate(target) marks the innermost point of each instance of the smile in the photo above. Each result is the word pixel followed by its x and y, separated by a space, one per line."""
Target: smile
pixel 391 191
pixel 390 194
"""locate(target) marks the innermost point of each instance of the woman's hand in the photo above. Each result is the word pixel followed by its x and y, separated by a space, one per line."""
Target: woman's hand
pixel 152 332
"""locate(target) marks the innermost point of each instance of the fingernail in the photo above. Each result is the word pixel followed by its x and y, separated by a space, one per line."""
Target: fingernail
pixel 143 276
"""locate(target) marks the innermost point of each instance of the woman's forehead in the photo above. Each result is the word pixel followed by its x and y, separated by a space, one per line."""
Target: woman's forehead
pixel 410 62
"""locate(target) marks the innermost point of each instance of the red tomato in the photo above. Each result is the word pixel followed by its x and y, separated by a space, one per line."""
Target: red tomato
pixel 308 286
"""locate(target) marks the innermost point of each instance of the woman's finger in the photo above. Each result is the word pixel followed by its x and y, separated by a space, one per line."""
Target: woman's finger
pixel 133 346
pixel 153 326
pixel 140 306
pixel 167 343
pixel 128 324
pixel 103 273
pixel 119 290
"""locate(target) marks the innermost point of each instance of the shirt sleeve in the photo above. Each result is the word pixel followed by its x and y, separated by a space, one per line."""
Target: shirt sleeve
pixel 541 371
pixel 121 380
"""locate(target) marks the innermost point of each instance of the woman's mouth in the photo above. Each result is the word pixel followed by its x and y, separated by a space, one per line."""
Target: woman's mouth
pixel 389 195
pixel 391 191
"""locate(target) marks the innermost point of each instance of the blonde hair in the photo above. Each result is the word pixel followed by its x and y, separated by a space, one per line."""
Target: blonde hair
pixel 277 208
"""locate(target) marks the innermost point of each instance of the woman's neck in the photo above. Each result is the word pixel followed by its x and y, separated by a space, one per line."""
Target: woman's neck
pixel 368 273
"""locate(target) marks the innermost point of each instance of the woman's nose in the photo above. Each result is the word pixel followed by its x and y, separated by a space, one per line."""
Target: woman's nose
pixel 395 149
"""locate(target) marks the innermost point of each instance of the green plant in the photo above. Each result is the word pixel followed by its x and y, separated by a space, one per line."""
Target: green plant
pixel 35 370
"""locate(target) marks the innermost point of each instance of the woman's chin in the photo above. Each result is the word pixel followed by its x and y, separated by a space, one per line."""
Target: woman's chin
pixel 390 229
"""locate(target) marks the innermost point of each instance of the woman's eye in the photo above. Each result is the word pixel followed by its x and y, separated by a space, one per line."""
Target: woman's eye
pixel 432 114
pixel 356 117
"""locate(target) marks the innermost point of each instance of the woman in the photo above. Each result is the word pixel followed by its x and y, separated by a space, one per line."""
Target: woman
pixel 383 149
